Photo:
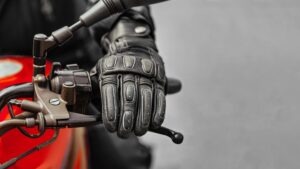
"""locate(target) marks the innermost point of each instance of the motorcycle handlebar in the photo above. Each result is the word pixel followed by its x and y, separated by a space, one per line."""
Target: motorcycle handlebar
pixel 173 85
pixel 16 91
pixel 26 90
pixel 76 119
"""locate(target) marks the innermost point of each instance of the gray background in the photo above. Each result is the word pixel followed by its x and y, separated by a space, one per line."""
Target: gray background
pixel 239 63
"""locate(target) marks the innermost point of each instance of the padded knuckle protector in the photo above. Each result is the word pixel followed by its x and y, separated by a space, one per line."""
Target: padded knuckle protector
pixel 129 61
pixel 147 66
pixel 141 64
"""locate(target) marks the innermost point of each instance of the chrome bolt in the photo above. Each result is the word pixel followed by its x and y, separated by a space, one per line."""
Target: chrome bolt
pixel 54 102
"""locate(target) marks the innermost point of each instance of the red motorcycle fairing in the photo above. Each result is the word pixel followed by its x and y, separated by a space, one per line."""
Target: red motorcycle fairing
pixel 66 152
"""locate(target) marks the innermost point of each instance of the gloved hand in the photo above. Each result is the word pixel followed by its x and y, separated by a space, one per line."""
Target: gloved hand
pixel 132 80
pixel 132 86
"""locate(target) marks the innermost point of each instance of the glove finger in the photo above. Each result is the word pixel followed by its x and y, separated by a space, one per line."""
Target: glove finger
pixel 144 107
pixel 159 108
pixel 128 105
pixel 110 105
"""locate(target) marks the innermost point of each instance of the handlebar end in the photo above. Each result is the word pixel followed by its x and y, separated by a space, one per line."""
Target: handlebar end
pixel 177 138
pixel 173 86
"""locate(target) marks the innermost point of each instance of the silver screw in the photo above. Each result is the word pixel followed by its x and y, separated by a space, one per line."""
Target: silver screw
pixel 54 102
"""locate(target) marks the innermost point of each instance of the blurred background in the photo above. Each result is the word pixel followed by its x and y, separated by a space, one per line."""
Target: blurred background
pixel 239 64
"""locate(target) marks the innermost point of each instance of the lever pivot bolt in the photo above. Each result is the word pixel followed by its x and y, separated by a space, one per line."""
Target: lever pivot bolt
pixel 54 102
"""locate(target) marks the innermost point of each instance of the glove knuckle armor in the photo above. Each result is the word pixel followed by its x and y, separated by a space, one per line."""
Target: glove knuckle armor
pixel 129 61
pixel 147 66
pixel 110 62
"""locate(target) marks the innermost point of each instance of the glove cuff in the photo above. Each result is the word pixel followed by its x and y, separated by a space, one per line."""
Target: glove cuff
pixel 132 30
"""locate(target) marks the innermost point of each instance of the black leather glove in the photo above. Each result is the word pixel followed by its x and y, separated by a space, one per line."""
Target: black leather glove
pixel 132 78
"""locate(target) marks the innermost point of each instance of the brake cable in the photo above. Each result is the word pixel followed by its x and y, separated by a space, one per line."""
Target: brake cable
pixel 41 122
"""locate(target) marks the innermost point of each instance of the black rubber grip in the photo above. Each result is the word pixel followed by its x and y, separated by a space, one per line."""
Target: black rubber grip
pixel 173 86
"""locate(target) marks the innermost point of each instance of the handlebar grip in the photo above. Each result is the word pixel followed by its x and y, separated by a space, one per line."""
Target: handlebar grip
pixel 173 86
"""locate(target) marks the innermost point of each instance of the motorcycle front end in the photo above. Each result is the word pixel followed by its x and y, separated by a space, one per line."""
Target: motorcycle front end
pixel 68 151
pixel 43 104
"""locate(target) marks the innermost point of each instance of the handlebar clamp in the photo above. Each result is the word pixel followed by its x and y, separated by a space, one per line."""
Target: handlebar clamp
pixel 73 84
